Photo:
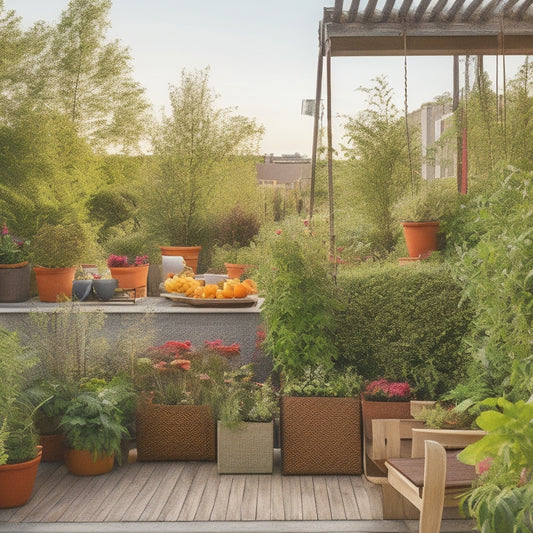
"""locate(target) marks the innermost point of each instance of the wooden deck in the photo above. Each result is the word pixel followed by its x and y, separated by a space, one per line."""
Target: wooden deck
pixel 142 496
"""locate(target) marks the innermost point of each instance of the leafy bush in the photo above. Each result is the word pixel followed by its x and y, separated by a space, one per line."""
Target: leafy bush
pixel 237 228
pixel 495 267
pixel 404 323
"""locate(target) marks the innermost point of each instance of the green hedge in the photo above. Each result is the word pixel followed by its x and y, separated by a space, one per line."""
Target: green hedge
pixel 404 323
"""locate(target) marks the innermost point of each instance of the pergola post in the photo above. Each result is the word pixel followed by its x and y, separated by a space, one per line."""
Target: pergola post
pixel 330 156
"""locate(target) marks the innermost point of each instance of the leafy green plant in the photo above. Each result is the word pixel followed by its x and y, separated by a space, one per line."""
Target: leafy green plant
pixel 12 250
pixel 93 422
pixel 300 301
pixel 501 499
pixel 442 416
pixel 318 381
pixel 59 246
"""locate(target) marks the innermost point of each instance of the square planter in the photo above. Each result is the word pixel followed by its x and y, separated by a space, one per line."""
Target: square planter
pixel 245 449
pixel 320 435
pixel 175 433
pixel 372 410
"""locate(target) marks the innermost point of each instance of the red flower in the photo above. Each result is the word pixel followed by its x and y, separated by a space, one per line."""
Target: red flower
pixel 278 232
pixel 184 364
pixel 217 345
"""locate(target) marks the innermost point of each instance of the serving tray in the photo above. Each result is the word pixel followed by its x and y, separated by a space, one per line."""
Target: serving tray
pixel 210 302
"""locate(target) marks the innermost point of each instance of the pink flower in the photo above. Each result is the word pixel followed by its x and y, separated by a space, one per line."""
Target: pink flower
pixel 184 364
pixel 203 377
pixel 484 465
pixel 306 223
pixel 5 231
pixel 278 232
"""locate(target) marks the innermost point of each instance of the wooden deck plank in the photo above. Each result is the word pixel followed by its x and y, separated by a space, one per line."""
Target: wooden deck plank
pixel 236 496
pixel 349 498
pixel 335 498
pixel 195 494
pixel 264 498
pixel 174 504
pixel 155 506
pixel 135 488
pixel 308 498
pixel 277 505
pixel 222 497
pixel 373 492
pixel 292 497
pixel 249 501
pixel 205 508
pixel 321 498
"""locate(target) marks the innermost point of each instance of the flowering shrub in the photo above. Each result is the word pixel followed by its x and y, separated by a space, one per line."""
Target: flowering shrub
pixel 12 250
pixel 175 373
pixel 124 261
pixel 383 390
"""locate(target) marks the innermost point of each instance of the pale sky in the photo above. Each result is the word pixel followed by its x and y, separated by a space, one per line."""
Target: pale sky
pixel 262 58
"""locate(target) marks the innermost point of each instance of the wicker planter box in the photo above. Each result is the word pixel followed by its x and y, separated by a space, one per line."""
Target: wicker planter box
pixel 372 410
pixel 246 449
pixel 175 433
pixel 320 435
pixel 15 282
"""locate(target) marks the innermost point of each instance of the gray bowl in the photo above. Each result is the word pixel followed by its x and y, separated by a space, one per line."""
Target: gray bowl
pixel 81 288
pixel 105 288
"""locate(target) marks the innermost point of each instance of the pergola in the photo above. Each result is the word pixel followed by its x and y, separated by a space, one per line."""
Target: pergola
pixel 416 28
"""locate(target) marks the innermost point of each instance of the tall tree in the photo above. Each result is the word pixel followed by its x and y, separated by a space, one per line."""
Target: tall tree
pixel 193 146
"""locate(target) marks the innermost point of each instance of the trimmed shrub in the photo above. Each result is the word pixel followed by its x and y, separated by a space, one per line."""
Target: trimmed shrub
pixel 404 323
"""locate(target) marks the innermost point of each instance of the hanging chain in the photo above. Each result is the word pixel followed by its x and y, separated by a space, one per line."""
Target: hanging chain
pixel 405 106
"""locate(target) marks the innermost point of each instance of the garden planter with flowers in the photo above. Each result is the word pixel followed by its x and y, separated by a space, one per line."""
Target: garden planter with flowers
pixel 130 274
pixel 14 269
pixel 175 420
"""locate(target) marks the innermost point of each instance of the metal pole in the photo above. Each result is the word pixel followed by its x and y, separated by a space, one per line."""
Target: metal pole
pixel 330 159
pixel 318 96
pixel 455 106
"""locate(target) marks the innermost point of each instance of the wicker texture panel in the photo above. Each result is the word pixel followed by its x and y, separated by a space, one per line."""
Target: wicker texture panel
pixel 372 410
pixel 247 449
pixel 320 435
pixel 15 284
pixel 175 433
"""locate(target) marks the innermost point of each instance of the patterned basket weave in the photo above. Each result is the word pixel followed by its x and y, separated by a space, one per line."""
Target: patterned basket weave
pixel 320 435
pixel 247 449
pixel 175 433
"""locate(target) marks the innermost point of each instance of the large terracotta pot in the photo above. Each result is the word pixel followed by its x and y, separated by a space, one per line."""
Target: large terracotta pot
pixel 420 237
pixel 54 283
pixel 17 480
pixel 175 433
pixel 132 277
pixel 82 463
pixel 15 282
pixel 320 435
pixel 189 253
pixel 236 270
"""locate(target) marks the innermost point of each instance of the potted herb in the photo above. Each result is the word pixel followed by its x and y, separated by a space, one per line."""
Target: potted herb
pixel 14 268
pixel 19 454
pixel 181 390
pixel 420 212
pixel 320 423
pixel 130 273
pixel 245 430
pixel 55 251
pixel 94 429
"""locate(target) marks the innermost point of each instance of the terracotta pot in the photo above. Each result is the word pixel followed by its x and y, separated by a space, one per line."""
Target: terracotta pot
pixel 373 410
pixel 17 480
pixel 420 237
pixel 189 253
pixel 320 435
pixel 81 463
pixel 132 277
pixel 54 282
pixel 53 447
pixel 15 282
pixel 236 270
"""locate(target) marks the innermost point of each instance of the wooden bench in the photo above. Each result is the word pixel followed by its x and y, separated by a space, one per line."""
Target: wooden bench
pixel 430 482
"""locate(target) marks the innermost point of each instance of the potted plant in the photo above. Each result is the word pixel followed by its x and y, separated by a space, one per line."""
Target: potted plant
pixel 180 387
pixel 384 398
pixel 55 251
pixel 245 429
pixel 131 274
pixel 420 212
pixel 14 268
pixel 189 254
pixel 19 454
pixel 94 430
pixel 320 423
pixel 82 284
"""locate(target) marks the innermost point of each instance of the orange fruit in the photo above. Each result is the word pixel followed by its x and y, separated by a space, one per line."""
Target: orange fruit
pixel 240 291
pixel 250 285
pixel 210 291
pixel 227 291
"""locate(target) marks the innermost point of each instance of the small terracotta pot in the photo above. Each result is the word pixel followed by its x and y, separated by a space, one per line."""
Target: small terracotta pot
pixel 132 277
pixel 81 463
pixel 54 282
pixel 17 480
pixel 189 253
pixel 236 270
pixel 420 237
